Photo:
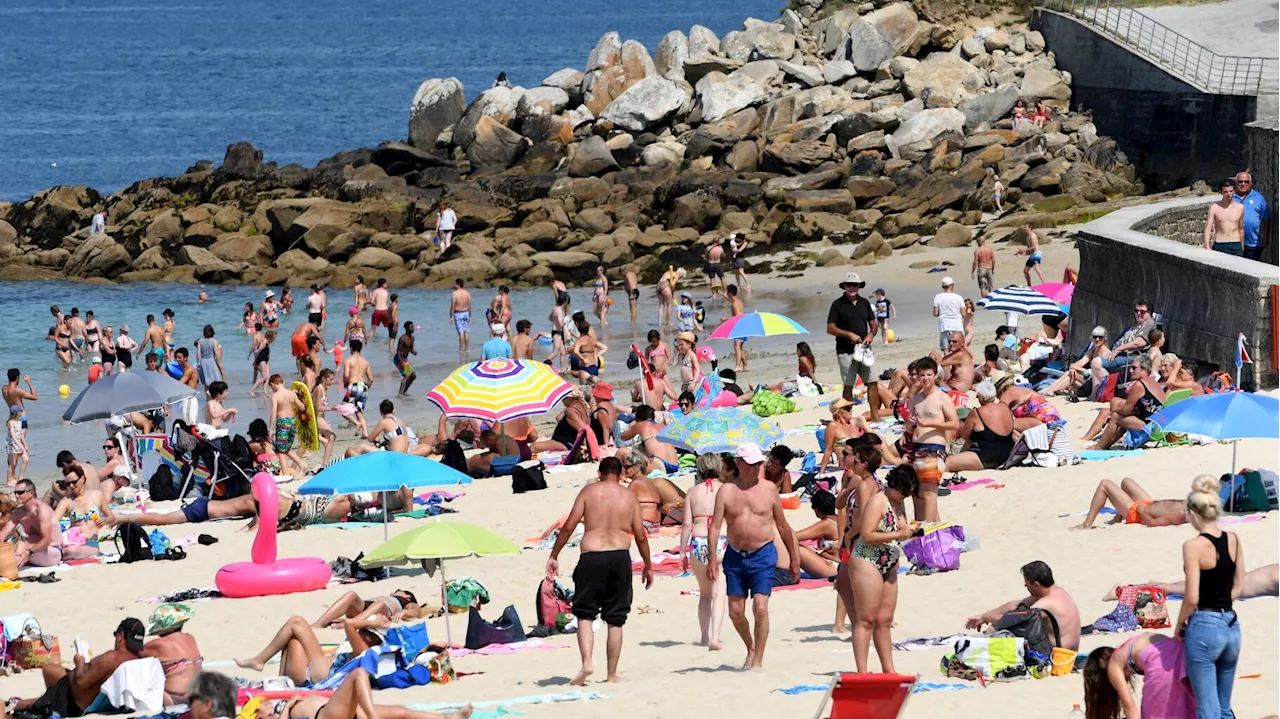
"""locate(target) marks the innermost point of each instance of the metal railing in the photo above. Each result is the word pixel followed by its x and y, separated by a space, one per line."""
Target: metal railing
pixel 1175 53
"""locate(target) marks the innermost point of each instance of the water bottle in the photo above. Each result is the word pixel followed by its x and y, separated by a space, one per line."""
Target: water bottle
pixel 1076 712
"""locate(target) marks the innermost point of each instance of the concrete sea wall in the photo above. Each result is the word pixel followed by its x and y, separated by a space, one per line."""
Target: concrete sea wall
pixel 1152 252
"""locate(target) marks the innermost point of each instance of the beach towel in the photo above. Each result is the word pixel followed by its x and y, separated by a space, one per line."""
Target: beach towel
pixel 1099 455
pixel 135 686
pixel 569 696
pixel 915 644
pixel 915 689
pixel 804 584
pixel 530 645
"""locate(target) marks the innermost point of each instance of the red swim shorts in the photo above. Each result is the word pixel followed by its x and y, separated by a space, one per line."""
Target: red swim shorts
pixel 380 317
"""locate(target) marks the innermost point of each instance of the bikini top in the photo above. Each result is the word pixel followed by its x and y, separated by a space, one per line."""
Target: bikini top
pixel 388 435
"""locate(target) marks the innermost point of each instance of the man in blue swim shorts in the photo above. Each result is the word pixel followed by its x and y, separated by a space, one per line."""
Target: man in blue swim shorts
pixel 753 510
pixel 460 312
pixel 1032 251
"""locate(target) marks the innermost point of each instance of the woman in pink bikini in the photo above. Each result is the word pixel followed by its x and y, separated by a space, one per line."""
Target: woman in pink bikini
pixel 699 505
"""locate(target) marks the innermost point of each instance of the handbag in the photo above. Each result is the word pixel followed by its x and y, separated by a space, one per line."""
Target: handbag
pixel 34 649
pixel 1148 605
pixel 938 549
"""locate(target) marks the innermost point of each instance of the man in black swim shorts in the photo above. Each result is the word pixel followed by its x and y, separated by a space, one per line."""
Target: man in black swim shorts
pixel 602 579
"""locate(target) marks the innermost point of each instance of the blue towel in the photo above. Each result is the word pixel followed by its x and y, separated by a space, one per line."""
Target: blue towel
pixel 1101 454
pixel 802 688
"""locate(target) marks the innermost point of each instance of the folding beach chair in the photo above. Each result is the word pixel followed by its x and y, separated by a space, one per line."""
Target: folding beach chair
pixel 866 696
pixel 1157 434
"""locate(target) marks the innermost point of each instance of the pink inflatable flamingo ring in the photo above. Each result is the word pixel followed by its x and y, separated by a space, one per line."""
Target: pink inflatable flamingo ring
pixel 266 575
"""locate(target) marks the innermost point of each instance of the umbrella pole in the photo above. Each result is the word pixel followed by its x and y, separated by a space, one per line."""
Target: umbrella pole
pixel 444 602
pixel 1231 500
pixel 386 510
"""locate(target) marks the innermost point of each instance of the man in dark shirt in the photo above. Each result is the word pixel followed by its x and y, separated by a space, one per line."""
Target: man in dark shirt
pixel 852 322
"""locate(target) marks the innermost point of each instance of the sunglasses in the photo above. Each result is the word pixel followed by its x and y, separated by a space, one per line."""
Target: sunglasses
pixel 1140 311
pixel 64 483
pixel 21 492
pixel 109 446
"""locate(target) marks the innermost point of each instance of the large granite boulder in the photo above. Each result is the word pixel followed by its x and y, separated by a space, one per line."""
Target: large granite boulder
pixel 208 268
pixel 943 80
pixel 542 101
pixel 437 104
pixel 235 247
pixel 666 152
pixel 645 104
pixel 499 103
pixel 952 234
pixel 987 109
pixel 669 58
pixel 98 256
pixel 568 260
pixel 471 270
pixel 759 40
pixel 699 210
pixel 375 258
pixel 591 157
pixel 702 41
pixel 165 230
pixel 1042 83
pixel 570 80
pixel 721 95
pixel 242 158
pixel 54 213
pixel 791 158
pixel 495 145
pixel 607 52
pixel 914 137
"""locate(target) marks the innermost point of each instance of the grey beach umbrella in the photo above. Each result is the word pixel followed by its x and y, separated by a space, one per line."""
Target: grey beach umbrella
pixel 125 392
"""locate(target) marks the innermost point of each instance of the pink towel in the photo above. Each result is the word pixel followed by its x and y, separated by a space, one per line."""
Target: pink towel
pixel 1166 693
pixel 970 485
pixel 805 584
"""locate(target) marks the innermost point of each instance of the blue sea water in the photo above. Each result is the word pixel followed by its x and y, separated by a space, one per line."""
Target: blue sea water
pixel 115 91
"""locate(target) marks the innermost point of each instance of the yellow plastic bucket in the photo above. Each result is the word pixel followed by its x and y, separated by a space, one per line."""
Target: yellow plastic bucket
pixel 1064 660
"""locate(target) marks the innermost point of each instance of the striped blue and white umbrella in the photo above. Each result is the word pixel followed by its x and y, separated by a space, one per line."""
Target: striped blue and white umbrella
pixel 1022 300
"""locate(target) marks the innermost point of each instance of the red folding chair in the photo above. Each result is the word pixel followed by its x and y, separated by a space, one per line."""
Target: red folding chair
pixel 866 696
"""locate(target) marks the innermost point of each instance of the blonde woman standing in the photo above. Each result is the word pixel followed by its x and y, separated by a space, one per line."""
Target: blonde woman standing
pixel 700 504
pixel 1213 562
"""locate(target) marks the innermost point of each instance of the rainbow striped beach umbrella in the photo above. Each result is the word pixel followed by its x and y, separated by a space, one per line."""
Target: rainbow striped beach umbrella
pixel 499 390
pixel 757 324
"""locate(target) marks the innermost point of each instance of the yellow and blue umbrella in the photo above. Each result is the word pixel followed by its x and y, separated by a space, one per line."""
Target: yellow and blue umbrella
pixel 757 324
pixel 500 390
pixel 720 429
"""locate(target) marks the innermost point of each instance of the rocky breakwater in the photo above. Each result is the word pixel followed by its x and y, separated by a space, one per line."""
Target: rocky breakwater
pixel 874 124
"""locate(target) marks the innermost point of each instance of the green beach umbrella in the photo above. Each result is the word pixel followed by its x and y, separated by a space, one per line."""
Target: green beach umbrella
pixel 436 542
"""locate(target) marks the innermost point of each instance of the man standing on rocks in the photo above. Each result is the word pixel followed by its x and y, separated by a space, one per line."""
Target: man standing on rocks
pixel 610 514
pixel 1257 216
pixel 446 221
pixel 853 323
pixel 753 509
pixel 984 266
pixel 1224 228
pixel 460 315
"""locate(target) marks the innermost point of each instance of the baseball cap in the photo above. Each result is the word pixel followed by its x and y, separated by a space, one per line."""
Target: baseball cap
pixel 602 390
pixel 497 328
pixel 750 453
pixel 948 282
pixel 133 632
pixel 852 278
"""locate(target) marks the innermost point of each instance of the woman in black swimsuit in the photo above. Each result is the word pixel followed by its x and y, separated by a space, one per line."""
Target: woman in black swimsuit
pixel 1143 399
pixel 989 429
pixel 108 346
pixel 573 420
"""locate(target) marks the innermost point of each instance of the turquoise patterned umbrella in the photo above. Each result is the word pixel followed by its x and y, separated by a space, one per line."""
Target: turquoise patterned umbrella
pixel 719 430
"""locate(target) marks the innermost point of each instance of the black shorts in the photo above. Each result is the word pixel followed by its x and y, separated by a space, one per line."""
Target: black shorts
pixel 635 293
pixel 57 700
pixel 392 330
pixel 602 586
pixel 713 270
pixel 315 318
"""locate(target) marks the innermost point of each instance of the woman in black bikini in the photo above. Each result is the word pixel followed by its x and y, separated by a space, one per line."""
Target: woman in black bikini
pixel 1143 399
pixel 574 419
pixel 62 345
pixel 989 429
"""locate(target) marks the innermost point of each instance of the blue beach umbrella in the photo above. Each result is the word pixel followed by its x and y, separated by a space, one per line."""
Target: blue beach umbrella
pixel 382 472
pixel 1225 416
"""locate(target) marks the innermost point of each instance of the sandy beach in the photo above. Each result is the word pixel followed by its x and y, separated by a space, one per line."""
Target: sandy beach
pixel 1018 522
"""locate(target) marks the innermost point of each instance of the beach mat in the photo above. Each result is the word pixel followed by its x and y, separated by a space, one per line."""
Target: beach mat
pixel 531 645
pixel 1098 455
pixel 494 704
pixel 917 688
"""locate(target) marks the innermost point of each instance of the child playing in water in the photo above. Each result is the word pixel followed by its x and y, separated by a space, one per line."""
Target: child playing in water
pixel 285 407
pixel 215 411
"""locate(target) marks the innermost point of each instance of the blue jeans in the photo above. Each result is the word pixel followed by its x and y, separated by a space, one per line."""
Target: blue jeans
pixel 1117 362
pixel 1212 644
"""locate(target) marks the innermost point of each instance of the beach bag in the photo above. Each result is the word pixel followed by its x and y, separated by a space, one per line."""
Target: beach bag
pixel 986 657
pixel 1107 390
pixel 159 543
pixel 939 549
pixel 1248 491
pixel 1120 619
pixel 633 360
pixel 1217 382
pixel 506 629
pixel 453 456
pixel 34 649
pixel 552 599
pixel 8 563
pixel 767 404
pixel 1148 605
pixel 1028 623
pixel 162 486
pixel 528 477
pixel 411 638
pixel 132 543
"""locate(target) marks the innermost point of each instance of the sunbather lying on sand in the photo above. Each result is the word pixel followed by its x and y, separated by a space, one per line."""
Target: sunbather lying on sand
pixel 354 697
pixel 300 510
pixel 1134 506
pixel 303 659
pixel 1260 582
pixel 399 605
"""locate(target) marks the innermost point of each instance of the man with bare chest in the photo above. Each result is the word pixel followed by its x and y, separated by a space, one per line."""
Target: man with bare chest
pixel 932 423
pixel 753 510
pixel 984 266
pixel 958 361
pixel 1224 229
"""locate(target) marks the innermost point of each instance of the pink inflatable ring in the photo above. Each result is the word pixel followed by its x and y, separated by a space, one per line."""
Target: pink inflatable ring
pixel 265 575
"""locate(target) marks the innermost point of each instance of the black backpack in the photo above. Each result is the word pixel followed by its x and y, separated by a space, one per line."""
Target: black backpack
pixel 162 486
pixel 453 456
pixel 1029 623
pixel 133 543
pixel 527 477
pixel 506 629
